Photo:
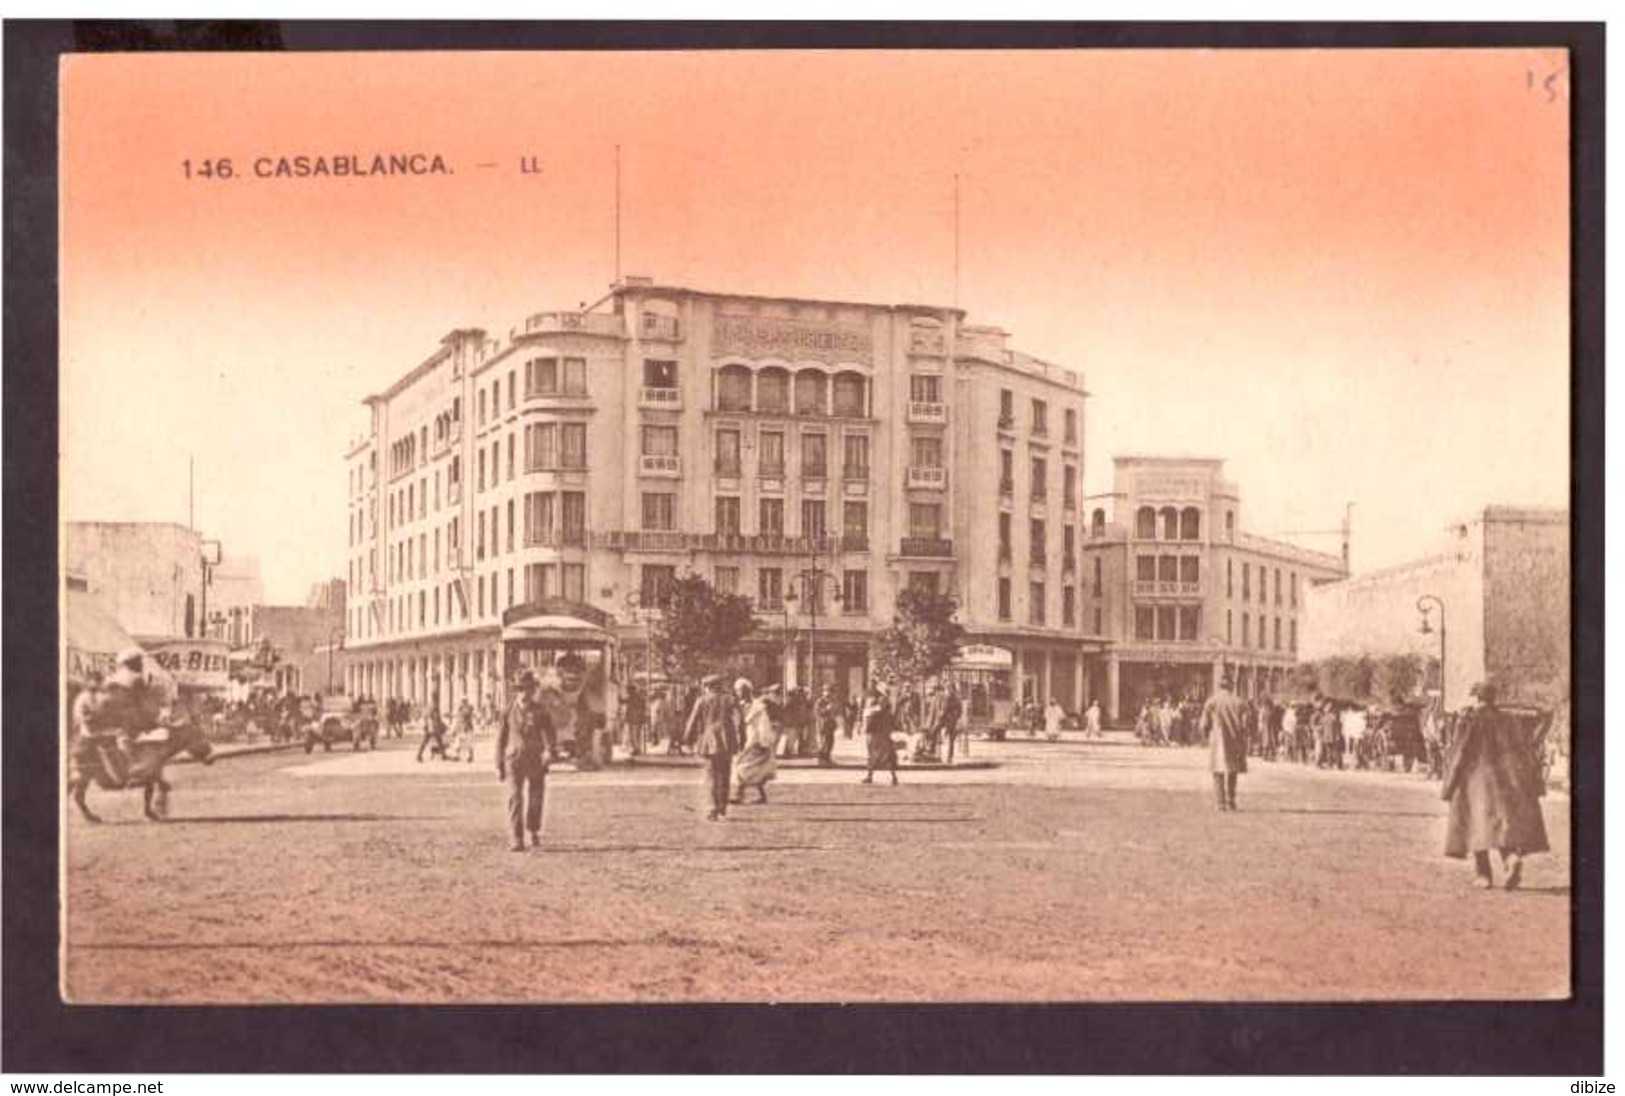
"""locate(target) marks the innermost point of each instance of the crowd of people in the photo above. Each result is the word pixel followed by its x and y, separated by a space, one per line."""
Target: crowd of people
pixel 1320 731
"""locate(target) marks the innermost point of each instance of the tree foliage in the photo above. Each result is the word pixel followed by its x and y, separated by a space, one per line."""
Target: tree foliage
pixel 922 640
pixel 699 628
pixel 1366 678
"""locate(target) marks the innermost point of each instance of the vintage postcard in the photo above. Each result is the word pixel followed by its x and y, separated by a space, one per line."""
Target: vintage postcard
pixel 816 526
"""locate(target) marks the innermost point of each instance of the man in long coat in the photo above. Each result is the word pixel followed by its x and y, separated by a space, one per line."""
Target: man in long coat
pixel 714 731
pixel 1493 783
pixel 525 742
pixel 1224 720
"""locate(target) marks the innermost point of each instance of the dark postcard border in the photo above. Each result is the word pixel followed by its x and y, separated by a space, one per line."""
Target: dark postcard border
pixel 41 1034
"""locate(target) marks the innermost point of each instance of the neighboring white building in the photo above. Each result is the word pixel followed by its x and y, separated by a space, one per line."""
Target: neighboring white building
pixel 148 575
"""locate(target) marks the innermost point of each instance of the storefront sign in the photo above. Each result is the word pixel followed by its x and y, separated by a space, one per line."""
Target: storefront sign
pixel 194 663
pixel 777 337
pixel 984 655
pixel 1166 486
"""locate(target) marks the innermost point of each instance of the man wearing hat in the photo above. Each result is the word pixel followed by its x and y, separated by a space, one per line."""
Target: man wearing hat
pixel 714 730
pixel 1224 719
pixel 1493 783
pixel 524 743
pixel 129 706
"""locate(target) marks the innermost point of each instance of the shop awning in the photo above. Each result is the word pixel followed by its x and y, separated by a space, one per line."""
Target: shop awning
pixel 92 638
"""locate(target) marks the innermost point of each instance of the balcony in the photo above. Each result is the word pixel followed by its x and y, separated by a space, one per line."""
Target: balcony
pixel 926 547
pixel 1038 559
pixel 855 472
pixel 760 544
pixel 934 479
pixel 654 326
pixel 670 466
pixel 556 538
pixel 660 399
pixel 923 411
pixel 729 469
pixel 1007 424
pixel 1007 487
pixel 774 470
pixel 1161 588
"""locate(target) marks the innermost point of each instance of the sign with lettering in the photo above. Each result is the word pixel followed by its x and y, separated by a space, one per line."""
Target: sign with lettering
pixel 778 337
pixel 194 663
pixel 1163 485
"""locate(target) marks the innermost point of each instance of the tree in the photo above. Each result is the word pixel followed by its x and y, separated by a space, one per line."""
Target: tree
pixel 923 638
pixel 699 627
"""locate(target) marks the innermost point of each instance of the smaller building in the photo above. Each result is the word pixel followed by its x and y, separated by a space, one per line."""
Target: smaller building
pixel 1180 591
pixel 307 643
pixel 148 575
pixel 1503 579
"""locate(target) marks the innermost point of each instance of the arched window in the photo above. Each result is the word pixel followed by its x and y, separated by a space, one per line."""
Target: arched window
pixel 1170 523
pixel 733 388
pixel 1145 523
pixel 811 385
pixel 1097 523
pixel 1190 524
pixel 849 394
pixel 773 391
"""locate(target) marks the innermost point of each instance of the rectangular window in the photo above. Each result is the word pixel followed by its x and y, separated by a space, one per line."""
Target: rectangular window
pixel 1040 418
pixel 728 515
pixel 1190 622
pixel 659 373
pixel 855 519
pixel 814 456
pixel 510 588
pixel 437 551
pixel 727 580
pixel 437 605
pixel 770 517
pixel 1292 640
pixel 1277 627
pixel 573 446
pixel 574 581
pixel 1246 629
pixel 1145 568
pixel 656 581
pixel 538 581
pixel 1097 630
pixel 1007 471
pixel 1097 585
pixel 1263 642
pixel 925 520
pixel 1246 582
pixel 855 456
pixel 510 455
pixel 1190 570
pixel 511 524
pixel 1004 599
pixel 660 441
pixel 480 482
pixel 573 515
pixel 539 517
pixel 482 407
pixel 1035 605
pixel 1007 407
pixel 773 391
pixel 1294 580
pixel 812 518
pixel 1069 543
pixel 1277 590
pixel 575 376
pixel 925 389
pixel 1071 437
pixel 1069 486
pixel 1165 623
pixel 1069 606
pixel 1167 569
pixel 1230 578
pixel 770 588
pixel 513 393
pixel 423 555
pixel 770 458
pixel 1145 626
pixel 855 591
pixel 1040 478
pixel 480 596
pixel 1004 535
pixel 926 452
pixel 541 446
pixel 727 460
pixel 541 377
pixel 659 511
pixel 1037 547
pixel 1229 626
pixel 496 536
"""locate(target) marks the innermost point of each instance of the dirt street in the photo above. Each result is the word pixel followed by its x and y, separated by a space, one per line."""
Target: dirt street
pixel 1067 872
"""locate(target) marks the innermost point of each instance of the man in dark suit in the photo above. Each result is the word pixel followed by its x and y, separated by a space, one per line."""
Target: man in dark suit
pixel 524 744
pixel 1224 719
pixel 715 731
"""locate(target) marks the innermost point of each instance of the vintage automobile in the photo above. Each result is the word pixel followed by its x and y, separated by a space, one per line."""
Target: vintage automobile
pixel 339 720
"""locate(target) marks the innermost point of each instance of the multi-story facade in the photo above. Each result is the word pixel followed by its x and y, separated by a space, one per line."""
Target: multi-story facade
pixel 593 456
pixel 1180 592
pixel 1503 578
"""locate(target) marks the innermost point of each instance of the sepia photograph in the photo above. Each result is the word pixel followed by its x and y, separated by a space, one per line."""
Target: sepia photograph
pixel 826 526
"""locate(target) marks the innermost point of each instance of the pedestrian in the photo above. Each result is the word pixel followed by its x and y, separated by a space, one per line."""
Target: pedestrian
pixel 525 744
pixel 756 764
pixel 434 729
pixel 714 732
pixel 636 717
pixel 1224 720
pixel 878 727
pixel 463 732
pixel 1492 781
pixel 1054 719
pixel 1091 720
pixel 826 712
pixel 952 711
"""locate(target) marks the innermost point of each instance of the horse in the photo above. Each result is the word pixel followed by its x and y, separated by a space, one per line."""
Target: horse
pixel 148 756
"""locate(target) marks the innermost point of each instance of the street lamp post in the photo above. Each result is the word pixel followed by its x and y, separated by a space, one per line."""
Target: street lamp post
pixel 1427 629
pixel 812 580
pixel 634 602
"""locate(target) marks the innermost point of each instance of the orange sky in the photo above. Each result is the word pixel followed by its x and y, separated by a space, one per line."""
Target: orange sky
pixel 1345 271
